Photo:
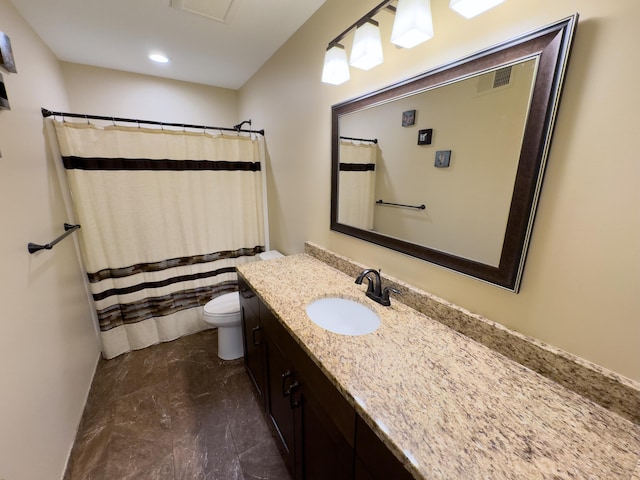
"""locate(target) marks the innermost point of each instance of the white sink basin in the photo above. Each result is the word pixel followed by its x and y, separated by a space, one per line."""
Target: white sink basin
pixel 340 315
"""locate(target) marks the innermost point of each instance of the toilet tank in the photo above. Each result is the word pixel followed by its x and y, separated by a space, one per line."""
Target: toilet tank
pixel 269 255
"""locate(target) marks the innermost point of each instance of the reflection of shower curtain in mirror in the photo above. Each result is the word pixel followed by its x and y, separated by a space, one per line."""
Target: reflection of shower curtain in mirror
pixel 356 184
pixel 166 216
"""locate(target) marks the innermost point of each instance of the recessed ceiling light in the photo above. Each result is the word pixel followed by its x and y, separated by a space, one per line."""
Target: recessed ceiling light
pixel 158 58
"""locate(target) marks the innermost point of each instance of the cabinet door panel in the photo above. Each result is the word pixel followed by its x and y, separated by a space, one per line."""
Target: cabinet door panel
pixel 252 339
pixel 326 454
pixel 361 473
pixel 280 376
pixel 340 412
pixel 374 461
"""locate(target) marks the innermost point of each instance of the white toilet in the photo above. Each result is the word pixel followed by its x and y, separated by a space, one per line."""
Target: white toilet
pixel 224 312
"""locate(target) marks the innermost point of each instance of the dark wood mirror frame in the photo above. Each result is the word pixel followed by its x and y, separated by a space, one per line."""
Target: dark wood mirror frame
pixel 551 45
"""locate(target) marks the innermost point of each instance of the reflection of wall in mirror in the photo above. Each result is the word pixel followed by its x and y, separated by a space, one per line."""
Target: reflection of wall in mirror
pixel 467 203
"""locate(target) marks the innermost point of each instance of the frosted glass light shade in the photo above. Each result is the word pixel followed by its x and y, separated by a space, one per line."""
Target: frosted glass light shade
pixel 366 52
pixel 471 8
pixel 336 67
pixel 413 23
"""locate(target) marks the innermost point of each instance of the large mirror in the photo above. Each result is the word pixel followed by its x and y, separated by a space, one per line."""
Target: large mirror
pixel 448 166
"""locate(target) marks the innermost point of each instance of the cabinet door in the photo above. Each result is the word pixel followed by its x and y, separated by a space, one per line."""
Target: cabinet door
pixel 324 453
pixel 374 461
pixel 281 378
pixel 252 337
pixel 323 421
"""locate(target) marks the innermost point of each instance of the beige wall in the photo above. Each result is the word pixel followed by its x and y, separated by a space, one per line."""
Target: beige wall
pixel 48 346
pixel 581 284
pixel 105 92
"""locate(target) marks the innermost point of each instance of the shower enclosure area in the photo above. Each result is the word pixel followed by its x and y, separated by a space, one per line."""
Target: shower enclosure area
pixel 166 212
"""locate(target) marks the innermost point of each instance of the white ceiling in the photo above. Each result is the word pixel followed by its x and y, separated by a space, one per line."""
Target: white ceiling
pixel 119 34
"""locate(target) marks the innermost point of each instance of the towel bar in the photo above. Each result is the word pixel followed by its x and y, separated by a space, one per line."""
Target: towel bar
pixel 417 207
pixel 69 229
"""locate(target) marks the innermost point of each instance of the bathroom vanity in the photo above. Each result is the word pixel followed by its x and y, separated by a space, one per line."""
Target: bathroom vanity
pixel 316 424
pixel 414 398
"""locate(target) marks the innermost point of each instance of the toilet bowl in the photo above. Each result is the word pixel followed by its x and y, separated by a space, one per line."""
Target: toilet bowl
pixel 224 312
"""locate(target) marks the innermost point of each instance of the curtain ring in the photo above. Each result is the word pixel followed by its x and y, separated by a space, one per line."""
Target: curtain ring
pixel 87 119
pixel 113 121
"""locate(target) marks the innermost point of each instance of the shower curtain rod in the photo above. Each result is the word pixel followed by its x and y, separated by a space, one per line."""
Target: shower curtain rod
pixel 372 140
pixel 236 128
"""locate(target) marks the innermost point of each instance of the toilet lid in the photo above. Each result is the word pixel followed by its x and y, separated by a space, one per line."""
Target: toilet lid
pixel 228 303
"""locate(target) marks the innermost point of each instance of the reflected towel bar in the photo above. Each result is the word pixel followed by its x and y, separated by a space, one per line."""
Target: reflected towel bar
pixel 69 229
pixel 372 140
pixel 417 207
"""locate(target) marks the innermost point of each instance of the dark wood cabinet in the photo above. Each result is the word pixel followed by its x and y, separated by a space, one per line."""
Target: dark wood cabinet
pixel 374 461
pixel 253 338
pixel 326 453
pixel 280 406
pixel 322 436
pixel 315 423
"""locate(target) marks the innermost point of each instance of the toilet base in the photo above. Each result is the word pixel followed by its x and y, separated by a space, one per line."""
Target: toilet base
pixel 230 343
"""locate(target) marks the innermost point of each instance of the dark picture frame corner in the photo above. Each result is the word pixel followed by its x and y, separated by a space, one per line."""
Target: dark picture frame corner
pixel 6 54
pixel 4 98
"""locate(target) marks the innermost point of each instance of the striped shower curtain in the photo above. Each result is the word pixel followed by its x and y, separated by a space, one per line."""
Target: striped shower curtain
pixel 357 183
pixel 166 216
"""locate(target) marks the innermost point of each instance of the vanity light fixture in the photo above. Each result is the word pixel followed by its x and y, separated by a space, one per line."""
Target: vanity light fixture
pixel 471 8
pixel 413 24
pixel 336 68
pixel 366 52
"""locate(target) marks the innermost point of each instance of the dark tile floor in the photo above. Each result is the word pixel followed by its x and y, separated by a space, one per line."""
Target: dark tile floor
pixel 174 411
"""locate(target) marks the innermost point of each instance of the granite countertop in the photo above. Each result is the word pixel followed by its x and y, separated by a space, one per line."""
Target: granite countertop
pixel 447 406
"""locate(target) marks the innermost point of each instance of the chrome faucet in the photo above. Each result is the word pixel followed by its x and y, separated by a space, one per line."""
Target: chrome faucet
pixel 374 287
